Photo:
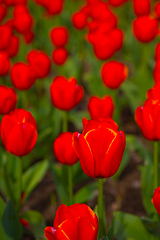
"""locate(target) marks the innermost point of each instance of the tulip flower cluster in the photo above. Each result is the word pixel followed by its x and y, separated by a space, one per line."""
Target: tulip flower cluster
pixel 103 33
pixel 23 76
pixel 59 38
pixel 145 26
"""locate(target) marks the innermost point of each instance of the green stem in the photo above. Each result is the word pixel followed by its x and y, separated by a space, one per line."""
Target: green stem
pixel 70 185
pixel 19 185
pixel 100 207
pixel 64 121
pixel 155 160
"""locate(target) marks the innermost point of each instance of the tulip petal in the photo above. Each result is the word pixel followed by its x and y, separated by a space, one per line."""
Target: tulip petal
pixel 85 230
pixel 49 233
pixel 60 215
pixel 65 231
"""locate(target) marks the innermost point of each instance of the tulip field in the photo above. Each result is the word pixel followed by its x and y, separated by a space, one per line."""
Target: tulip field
pixel 79 119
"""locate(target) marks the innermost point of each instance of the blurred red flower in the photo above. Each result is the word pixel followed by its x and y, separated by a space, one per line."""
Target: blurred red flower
pixel 100 147
pixel 59 36
pixel 63 149
pixel 100 107
pixel 114 74
pixel 8 99
pixel 59 55
pixel 156 199
pixel 65 94
pixel 141 7
pixel 145 28
pixel 77 221
pixel 19 132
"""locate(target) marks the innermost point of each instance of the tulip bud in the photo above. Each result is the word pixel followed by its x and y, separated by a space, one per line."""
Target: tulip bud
pixel 8 99
pixel 145 28
pixel 114 74
pixel 5 37
pixel 59 36
pixel 14 46
pixel 19 132
pixel 141 7
pixel 4 63
pixel 156 199
pixel 59 56
pixel 65 94
pixel 157 10
pixel 63 149
pixel 79 20
pixel 98 107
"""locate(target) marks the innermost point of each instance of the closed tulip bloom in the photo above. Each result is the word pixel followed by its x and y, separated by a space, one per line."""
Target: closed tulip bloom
pixel 156 199
pixel 153 93
pixel 54 6
pixel 21 76
pixel 157 10
pixel 100 107
pixel 8 99
pixel 156 72
pixel 100 147
pixel 117 3
pixel 75 222
pixel 19 132
pixel 59 56
pixel 147 118
pixel 14 46
pixel 59 36
pixel 40 63
pixel 5 36
pixel 145 28
pixel 142 7
pixel 63 149
pixel 65 94
pixel 114 74
pixel 79 20
pixel 4 63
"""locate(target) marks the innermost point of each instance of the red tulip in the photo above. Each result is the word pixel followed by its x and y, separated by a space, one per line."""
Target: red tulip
pixel 3 12
pixel 114 74
pixel 40 63
pixel 29 36
pixel 100 107
pixel 4 63
pixel 145 28
pixel 54 6
pixel 153 93
pixel 59 56
pixel 157 10
pixel 100 147
pixel 65 94
pixel 21 76
pixel 156 199
pixel 117 3
pixel 5 36
pixel 156 72
pixel 157 53
pixel 63 149
pixel 142 7
pixel 77 221
pixel 19 132
pixel 14 46
pixel 79 20
pixel 147 118
pixel 59 36
pixel 8 99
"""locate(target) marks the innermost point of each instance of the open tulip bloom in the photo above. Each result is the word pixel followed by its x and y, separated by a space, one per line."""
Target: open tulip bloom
pixel 76 222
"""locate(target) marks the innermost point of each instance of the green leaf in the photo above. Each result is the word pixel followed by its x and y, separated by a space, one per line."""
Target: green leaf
pixel 147 187
pixel 33 176
pixel 2 209
pixel 151 225
pixel 85 193
pixel 11 224
pixel 129 226
pixel 36 222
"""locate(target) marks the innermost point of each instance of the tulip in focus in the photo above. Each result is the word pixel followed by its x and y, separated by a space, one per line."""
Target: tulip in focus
pixel 114 74
pixel 100 107
pixel 100 147
pixel 19 132
pixel 63 149
pixel 77 221
pixel 8 99
pixel 65 94
pixel 156 199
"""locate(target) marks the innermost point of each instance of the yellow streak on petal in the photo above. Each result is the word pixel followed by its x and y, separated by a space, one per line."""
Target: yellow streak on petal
pixel 115 135
pixel 63 231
